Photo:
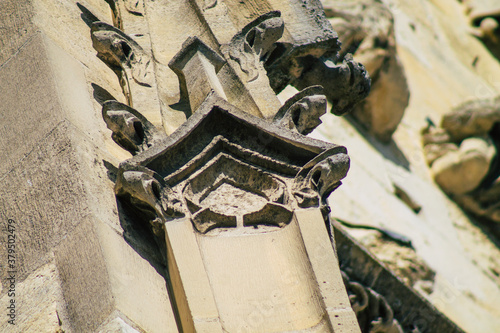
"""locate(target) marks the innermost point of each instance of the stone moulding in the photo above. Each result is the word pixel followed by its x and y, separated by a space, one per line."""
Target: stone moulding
pixel 226 176
pixel 224 153
pixel 381 301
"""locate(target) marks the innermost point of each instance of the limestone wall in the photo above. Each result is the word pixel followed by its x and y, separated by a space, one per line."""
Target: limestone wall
pixel 79 268
pixel 73 268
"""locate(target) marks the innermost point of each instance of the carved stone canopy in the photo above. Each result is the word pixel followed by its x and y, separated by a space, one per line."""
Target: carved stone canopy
pixel 238 182
pixel 227 169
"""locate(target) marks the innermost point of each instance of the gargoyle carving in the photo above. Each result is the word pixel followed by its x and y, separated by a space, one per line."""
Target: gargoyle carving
pixel 366 29
pixel 318 178
pixel 372 310
pixel 463 156
pixel 302 111
pixel 345 83
pixel 251 47
pixel 122 54
pixel 147 192
pixel 131 130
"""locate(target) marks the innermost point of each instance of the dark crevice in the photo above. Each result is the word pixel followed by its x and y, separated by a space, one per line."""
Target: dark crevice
pixel 101 95
pixel 494 171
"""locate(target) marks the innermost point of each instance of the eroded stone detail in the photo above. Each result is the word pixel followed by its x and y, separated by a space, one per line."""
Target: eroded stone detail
pixel 463 155
pixel 228 172
pixel 484 18
pixel 233 181
pixel 372 310
pixel 147 192
pixel 253 45
pixel 310 57
pixel 302 111
pixel 227 192
pixel 131 130
pixel 319 178
pixel 122 54
pixel 366 29
pixel 346 82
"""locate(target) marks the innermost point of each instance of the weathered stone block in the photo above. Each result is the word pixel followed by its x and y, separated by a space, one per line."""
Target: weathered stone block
pixel 98 267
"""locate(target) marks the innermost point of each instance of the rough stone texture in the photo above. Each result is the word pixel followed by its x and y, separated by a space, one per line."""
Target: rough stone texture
pixel 57 172
pixel 54 90
pixel 463 155
pixel 463 170
pixel 444 67
pixel 41 306
pixel 396 309
pixel 484 19
pixel 37 198
pixel 97 267
pixel 474 118
pixel 16 26
pixel 205 188
pixel 366 29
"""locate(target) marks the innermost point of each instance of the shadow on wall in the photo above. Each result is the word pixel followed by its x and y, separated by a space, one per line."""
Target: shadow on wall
pixel 388 149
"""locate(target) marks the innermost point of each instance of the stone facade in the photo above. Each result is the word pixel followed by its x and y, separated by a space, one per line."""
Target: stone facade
pixel 158 177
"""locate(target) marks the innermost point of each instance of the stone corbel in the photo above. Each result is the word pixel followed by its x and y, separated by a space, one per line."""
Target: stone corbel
pixel 301 112
pixel 122 54
pixel 213 196
pixel 131 130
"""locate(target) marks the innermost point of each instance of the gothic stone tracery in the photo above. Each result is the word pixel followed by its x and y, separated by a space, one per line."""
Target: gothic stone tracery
pixel 237 171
